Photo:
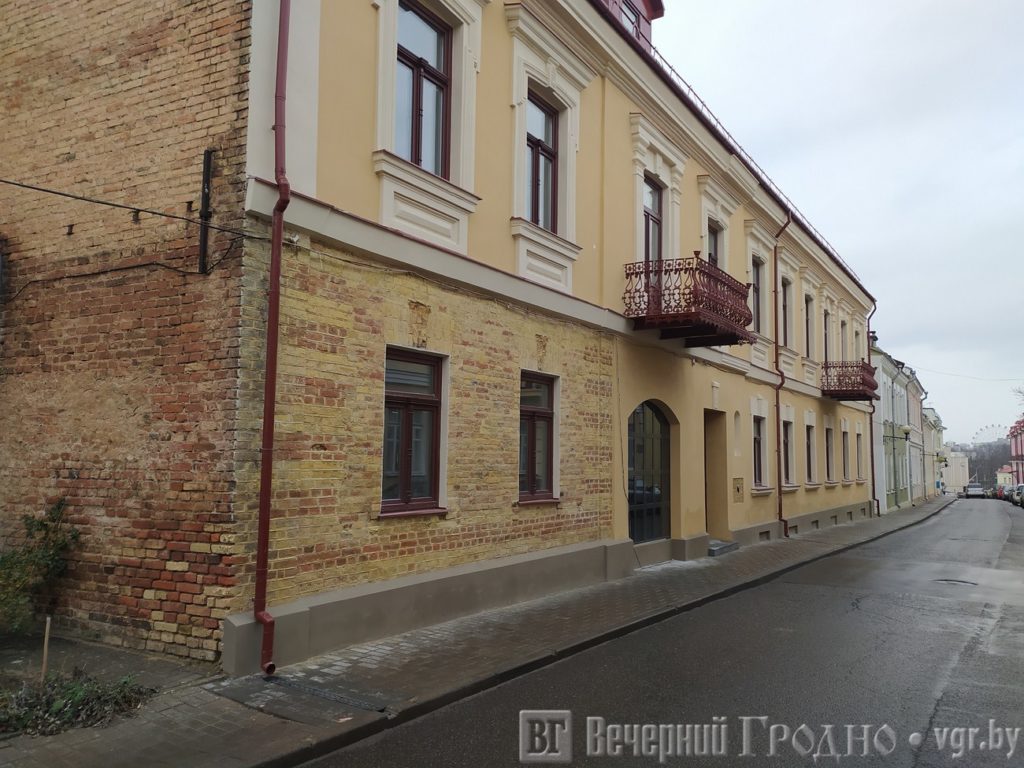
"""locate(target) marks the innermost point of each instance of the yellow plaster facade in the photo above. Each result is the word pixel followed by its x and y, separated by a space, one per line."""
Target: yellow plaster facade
pixel 387 255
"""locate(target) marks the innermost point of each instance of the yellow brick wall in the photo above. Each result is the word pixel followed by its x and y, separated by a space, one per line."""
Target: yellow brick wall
pixel 339 314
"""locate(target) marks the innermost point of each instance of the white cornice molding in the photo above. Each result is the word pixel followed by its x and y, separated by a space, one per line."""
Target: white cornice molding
pixel 716 192
pixel 758 237
pixel 528 29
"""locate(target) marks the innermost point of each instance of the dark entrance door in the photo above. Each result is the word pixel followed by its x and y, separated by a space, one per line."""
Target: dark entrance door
pixel 649 467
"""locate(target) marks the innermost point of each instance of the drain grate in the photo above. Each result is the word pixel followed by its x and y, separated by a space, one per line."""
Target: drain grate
pixel 350 698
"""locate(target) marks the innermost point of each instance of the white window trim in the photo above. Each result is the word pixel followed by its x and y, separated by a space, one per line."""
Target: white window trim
pixel 654 156
pixel 413 200
pixel 718 205
pixel 541 61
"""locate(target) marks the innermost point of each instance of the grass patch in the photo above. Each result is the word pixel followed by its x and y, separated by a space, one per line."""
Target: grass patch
pixel 67 701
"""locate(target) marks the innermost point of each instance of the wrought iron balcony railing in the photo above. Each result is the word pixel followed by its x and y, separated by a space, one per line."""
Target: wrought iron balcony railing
pixel 690 299
pixel 848 380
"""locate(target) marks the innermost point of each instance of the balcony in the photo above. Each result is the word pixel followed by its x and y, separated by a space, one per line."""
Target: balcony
pixel 848 380
pixel 688 299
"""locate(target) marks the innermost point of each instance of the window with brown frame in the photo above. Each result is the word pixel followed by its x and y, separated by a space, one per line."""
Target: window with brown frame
pixel 536 437
pixel 630 17
pixel 755 292
pixel 758 449
pixel 412 432
pixel 652 220
pixel 830 472
pixel 787 452
pixel 713 236
pixel 785 320
pixel 808 327
pixel 824 336
pixel 542 163
pixel 423 89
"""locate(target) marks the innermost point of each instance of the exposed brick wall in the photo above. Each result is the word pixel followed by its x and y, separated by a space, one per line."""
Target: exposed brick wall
pixel 339 313
pixel 118 388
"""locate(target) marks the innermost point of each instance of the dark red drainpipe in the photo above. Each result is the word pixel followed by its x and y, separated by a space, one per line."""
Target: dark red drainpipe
pixel 273 322
pixel 871 428
pixel 776 279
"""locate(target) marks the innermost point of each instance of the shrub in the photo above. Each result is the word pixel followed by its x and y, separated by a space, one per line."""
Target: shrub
pixel 32 568
pixel 65 701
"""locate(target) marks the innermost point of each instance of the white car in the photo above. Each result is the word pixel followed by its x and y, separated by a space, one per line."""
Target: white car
pixel 974 490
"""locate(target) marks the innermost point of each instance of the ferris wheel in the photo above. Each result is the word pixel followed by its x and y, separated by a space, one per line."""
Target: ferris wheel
pixel 990 433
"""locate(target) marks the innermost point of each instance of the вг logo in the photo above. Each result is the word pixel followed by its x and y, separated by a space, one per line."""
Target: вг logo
pixel 545 736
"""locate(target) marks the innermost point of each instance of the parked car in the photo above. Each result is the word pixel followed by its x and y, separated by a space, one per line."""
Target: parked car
pixel 975 491
pixel 1018 494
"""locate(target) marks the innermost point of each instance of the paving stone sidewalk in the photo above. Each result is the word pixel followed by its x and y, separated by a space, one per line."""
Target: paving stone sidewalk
pixel 311 708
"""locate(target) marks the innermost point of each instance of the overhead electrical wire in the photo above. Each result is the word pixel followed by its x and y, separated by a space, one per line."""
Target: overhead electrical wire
pixel 132 208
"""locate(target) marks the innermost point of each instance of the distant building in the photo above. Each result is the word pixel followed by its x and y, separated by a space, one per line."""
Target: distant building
pixel 956 472
pixel 1017 451
pixel 933 455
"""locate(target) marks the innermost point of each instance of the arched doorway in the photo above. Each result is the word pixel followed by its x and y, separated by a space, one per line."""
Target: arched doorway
pixel 649 471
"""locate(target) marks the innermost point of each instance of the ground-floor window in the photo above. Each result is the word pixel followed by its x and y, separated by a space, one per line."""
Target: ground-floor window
pixel 758 451
pixel 830 470
pixel 412 428
pixel 536 436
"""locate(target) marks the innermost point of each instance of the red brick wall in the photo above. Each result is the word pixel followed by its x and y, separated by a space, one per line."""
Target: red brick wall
pixel 118 364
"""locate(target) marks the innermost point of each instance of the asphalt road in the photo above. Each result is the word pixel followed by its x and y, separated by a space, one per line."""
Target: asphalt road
pixel 887 654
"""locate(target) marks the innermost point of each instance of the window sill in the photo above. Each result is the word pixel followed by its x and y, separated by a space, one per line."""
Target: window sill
pixel 423 205
pixel 831 483
pixel 761 490
pixel 812 486
pixel 438 511
pixel 847 483
pixel 542 256
pixel 861 480
pixel 536 502
pixel 790 488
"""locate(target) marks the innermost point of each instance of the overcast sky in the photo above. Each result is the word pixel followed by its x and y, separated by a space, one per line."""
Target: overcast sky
pixel 897 127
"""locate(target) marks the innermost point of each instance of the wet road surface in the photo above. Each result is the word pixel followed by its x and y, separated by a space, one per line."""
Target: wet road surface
pixel 888 654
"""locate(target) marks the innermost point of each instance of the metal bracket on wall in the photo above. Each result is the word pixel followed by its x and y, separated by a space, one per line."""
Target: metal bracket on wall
pixel 204 210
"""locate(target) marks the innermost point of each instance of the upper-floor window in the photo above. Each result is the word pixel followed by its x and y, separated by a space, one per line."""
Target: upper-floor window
pixel 824 337
pixel 542 163
pixel 423 89
pixel 714 240
pixel 842 341
pixel 652 220
pixel 787 290
pixel 756 267
pixel 630 17
pixel 808 327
